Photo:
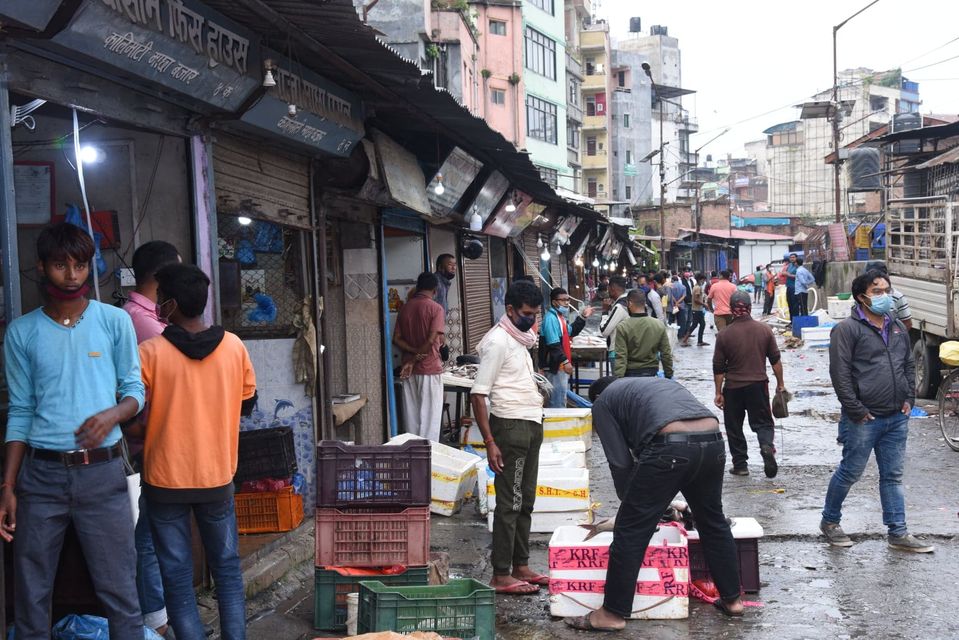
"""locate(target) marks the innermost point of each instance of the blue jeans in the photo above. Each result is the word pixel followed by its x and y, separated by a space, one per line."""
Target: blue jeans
pixel 560 382
pixel 149 582
pixel 216 521
pixel 887 437
pixel 94 497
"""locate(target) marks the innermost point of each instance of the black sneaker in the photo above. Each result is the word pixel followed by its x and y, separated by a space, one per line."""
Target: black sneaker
pixel 702 344
pixel 739 471
pixel 770 466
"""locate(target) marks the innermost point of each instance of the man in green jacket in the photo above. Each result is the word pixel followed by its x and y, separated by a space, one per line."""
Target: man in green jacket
pixel 641 342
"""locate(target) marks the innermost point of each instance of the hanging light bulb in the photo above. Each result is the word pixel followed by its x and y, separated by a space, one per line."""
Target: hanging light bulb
pixel 595 262
pixel 244 220
pixel 268 80
pixel 559 249
pixel 511 205
pixel 476 220
pixel 545 255
pixel 609 267
pixel 539 242
pixel 439 189
pixel 579 262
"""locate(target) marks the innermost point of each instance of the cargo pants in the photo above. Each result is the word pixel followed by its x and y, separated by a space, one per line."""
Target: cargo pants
pixel 519 442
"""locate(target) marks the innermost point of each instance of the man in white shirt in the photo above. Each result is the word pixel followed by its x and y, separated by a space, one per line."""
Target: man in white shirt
pixel 512 431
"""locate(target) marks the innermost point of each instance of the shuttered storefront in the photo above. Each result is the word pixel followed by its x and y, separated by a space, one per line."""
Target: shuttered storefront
pixel 532 256
pixel 478 308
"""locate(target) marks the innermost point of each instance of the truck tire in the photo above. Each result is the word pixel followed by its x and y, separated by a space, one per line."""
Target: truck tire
pixel 927 369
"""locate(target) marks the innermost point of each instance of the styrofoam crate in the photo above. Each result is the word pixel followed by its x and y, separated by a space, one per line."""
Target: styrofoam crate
pixel 550 521
pixel 839 308
pixel 453 475
pixel 571 455
pixel 557 489
pixel 568 425
pixel 577 574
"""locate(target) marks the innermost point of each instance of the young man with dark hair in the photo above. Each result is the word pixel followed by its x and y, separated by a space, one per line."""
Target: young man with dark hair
pixel 445 274
pixel 142 307
pixel 555 346
pixel 697 312
pixel 617 312
pixel 718 300
pixel 419 332
pixel 641 342
pixel 873 372
pixel 512 431
pixel 659 441
pixel 199 381
pixel 73 377
pixel 742 386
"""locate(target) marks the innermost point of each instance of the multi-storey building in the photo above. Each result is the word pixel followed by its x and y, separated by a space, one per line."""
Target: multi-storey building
pixel 500 24
pixel 800 181
pixel 578 13
pixel 594 44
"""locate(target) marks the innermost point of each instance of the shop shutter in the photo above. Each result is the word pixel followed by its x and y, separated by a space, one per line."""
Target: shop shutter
pixel 477 304
pixel 261 182
pixel 532 256
pixel 556 269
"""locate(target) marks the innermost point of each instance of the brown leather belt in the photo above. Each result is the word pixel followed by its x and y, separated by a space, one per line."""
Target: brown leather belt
pixel 78 458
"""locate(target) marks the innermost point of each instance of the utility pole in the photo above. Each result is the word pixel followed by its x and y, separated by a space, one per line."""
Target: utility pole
pixel 662 171
pixel 837 166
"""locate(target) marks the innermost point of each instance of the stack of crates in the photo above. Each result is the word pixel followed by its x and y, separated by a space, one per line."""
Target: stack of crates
pixel 372 521
pixel 267 456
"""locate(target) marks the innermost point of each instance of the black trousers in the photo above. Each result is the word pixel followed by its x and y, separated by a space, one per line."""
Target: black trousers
pixel 793 303
pixel 802 301
pixel 697 319
pixel 753 400
pixel 663 470
pixel 768 303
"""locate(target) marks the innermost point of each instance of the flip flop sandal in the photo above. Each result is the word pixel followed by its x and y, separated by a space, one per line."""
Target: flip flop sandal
pixel 583 623
pixel 719 604
pixel 539 579
pixel 518 589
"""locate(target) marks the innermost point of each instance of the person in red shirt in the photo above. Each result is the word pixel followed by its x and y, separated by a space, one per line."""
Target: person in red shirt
pixel 419 334
pixel 718 300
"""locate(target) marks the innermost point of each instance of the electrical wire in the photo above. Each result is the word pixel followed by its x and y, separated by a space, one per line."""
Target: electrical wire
pixel 146 198
pixel 932 64
pixel 83 192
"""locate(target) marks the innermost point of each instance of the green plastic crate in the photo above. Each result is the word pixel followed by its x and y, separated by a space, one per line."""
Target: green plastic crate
pixel 464 608
pixel 332 585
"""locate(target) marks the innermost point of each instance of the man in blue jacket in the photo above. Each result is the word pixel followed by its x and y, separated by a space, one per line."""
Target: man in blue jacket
pixel 873 373
pixel 555 348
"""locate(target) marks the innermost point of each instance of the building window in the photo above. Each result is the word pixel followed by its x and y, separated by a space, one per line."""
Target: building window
pixel 629 157
pixel 540 53
pixel 572 135
pixel 591 105
pixel 629 192
pixel 497 27
pixel 621 78
pixel 540 119
pixel 545 5
pixel 498 96
pixel 549 176
pixel 573 99
pixel 591 145
pixel 626 120
pixel 591 189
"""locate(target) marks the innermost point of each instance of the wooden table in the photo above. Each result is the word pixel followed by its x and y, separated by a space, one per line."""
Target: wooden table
pixel 461 387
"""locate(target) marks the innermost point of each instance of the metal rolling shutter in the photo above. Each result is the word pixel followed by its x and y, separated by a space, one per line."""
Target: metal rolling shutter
pixel 532 257
pixel 261 182
pixel 477 304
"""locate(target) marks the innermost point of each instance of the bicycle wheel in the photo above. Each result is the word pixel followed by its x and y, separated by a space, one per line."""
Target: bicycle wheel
pixel 949 409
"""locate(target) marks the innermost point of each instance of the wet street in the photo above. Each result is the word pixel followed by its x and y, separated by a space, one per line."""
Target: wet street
pixel 809 590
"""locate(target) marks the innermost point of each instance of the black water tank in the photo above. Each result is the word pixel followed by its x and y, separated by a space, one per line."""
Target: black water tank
pixel 635 25
pixel 864 170
pixel 658 30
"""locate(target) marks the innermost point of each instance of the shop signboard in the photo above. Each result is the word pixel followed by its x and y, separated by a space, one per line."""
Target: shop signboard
pixel 179 44
pixel 458 172
pixel 326 117
pixel 32 14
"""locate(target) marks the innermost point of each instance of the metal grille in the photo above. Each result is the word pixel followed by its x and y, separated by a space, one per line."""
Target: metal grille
pixel 262 283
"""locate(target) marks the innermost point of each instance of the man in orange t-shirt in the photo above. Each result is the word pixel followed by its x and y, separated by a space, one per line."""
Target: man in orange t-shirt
pixel 718 300
pixel 199 382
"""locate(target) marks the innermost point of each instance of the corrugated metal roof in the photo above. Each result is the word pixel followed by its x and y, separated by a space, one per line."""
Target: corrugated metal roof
pixel 949 157
pixel 406 105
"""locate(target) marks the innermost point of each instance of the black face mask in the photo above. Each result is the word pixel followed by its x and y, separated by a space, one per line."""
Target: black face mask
pixel 525 323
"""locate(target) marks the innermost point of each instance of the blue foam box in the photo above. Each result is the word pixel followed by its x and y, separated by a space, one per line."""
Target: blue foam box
pixel 800 322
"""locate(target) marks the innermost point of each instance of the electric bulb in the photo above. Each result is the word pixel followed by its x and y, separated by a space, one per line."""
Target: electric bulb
pixel 439 189
pixel 539 242
pixel 595 262
pixel 559 250
pixel 244 220
pixel 544 255
pixel 89 154
pixel 476 221
pixel 510 207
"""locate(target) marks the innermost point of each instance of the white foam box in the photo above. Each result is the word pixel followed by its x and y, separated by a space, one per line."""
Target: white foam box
pixel 453 472
pixel 577 574
pixel 747 533
pixel 548 522
pixel 816 337
pixel 838 308
pixel 557 489
pixel 571 455
pixel 568 425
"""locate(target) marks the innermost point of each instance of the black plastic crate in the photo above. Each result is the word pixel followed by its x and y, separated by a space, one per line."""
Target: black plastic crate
pixel 373 475
pixel 266 453
pixel 748 549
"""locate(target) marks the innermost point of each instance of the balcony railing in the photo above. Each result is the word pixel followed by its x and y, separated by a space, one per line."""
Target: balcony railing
pixel 593 123
pixel 594 82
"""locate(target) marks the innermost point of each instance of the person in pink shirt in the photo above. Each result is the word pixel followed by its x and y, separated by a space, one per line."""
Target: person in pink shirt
pixel 718 300
pixel 142 307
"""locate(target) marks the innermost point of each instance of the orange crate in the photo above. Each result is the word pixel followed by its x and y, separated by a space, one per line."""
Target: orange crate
pixel 268 511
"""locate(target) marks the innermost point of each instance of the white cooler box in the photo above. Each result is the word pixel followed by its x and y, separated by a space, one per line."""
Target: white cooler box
pixel 577 574
pixel 571 455
pixel 568 425
pixel 562 498
pixel 454 474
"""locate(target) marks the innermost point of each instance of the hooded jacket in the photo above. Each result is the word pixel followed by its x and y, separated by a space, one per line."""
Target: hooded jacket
pixel 870 376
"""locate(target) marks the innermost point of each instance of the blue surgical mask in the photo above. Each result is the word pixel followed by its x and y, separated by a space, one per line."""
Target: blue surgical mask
pixel 880 304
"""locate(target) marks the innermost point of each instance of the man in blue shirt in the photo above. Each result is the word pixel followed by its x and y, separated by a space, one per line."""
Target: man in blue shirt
pixel 67 364
pixel 555 346
pixel 804 280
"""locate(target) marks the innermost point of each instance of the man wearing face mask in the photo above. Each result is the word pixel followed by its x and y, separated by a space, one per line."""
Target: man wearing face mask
pixel 445 273
pixel 872 371
pixel 512 430
pixel 555 346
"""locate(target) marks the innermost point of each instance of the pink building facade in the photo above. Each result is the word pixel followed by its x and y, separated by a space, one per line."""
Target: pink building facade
pixel 500 64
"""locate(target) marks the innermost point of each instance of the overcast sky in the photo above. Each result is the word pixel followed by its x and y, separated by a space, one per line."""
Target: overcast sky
pixel 747 59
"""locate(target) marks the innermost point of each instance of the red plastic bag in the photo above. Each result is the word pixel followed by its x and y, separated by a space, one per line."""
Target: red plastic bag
pixel 707 586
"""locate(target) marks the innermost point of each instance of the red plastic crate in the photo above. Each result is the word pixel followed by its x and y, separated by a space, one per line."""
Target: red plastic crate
pixel 372 537
pixel 373 476
pixel 268 511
